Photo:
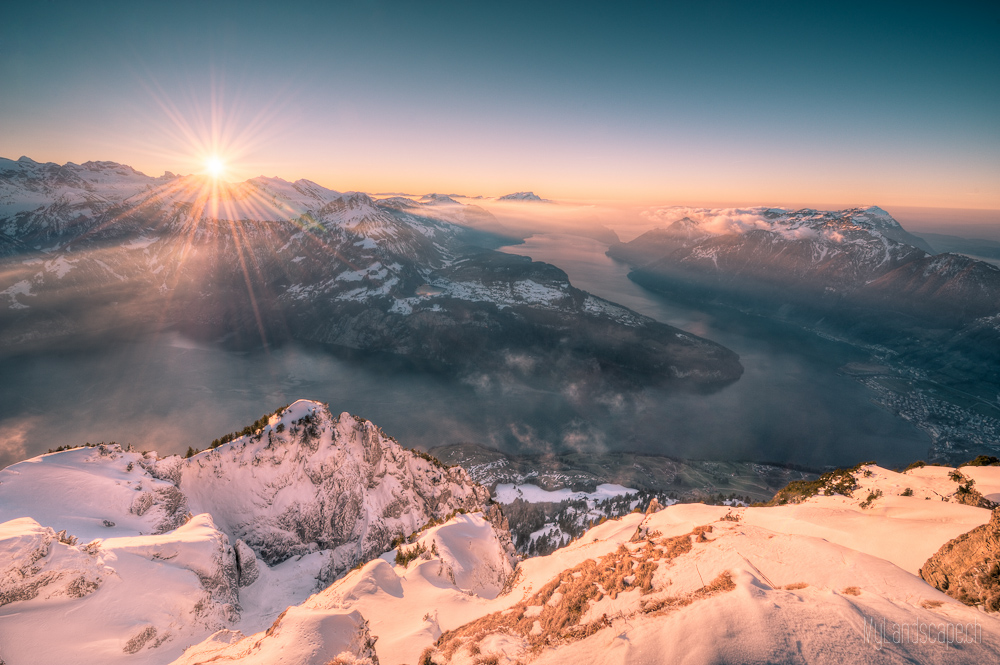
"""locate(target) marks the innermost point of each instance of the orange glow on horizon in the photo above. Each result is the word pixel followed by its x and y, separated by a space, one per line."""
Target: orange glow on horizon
pixel 221 134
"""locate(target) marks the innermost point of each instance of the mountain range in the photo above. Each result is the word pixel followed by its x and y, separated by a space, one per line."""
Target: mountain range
pixel 859 255
pixel 855 273
pixel 100 250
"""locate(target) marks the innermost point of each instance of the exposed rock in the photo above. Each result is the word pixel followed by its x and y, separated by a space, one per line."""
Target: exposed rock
pixel 246 564
pixel 143 502
pixel 173 504
pixel 139 640
pixel 972 497
pixel 967 494
pixel 968 567
pixel 35 559
pixel 501 527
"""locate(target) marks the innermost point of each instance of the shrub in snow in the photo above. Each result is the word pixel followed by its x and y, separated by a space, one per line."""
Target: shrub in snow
pixel 139 640
pixel 405 556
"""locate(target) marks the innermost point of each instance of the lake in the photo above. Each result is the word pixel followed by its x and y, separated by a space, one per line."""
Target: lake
pixel 166 392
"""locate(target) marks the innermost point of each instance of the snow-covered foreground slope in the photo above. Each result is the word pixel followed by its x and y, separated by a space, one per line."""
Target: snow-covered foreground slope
pixel 125 599
pixel 905 530
pixel 244 554
pixel 830 579
pixel 115 556
pixel 459 574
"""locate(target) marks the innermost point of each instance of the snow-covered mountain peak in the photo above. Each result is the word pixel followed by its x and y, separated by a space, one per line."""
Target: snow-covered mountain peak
pixel 721 221
pixel 438 199
pixel 877 212
pixel 845 248
pixel 400 202
pixel 521 196
pixel 875 217
pixel 229 537
pixel 306 481
pixel 109 167
pixel 686 227
pixel 300 189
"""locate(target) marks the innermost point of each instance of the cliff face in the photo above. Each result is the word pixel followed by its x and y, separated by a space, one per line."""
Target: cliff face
pixel 967 568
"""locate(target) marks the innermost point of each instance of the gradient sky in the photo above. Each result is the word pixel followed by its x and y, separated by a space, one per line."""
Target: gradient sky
pixel 695 103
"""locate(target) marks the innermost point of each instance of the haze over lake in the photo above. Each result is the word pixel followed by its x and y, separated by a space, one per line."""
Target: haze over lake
pixel 166 392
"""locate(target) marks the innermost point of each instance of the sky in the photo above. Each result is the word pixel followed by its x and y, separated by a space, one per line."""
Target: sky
pixel 707 103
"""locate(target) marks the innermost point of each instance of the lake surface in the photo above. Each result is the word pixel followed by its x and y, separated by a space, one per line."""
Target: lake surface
pixel 166 393
pixel 791 404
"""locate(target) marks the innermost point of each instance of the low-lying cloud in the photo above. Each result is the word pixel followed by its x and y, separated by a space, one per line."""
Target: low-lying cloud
pixel 13 436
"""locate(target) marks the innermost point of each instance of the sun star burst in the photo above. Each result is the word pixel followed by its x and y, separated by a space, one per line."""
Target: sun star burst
pixel 215 167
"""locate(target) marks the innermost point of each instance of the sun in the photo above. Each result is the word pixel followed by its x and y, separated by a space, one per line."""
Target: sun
pixel 215 167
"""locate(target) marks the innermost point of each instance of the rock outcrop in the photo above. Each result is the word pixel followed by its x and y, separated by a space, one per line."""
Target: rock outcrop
pixel 967 568
pixel 36 560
